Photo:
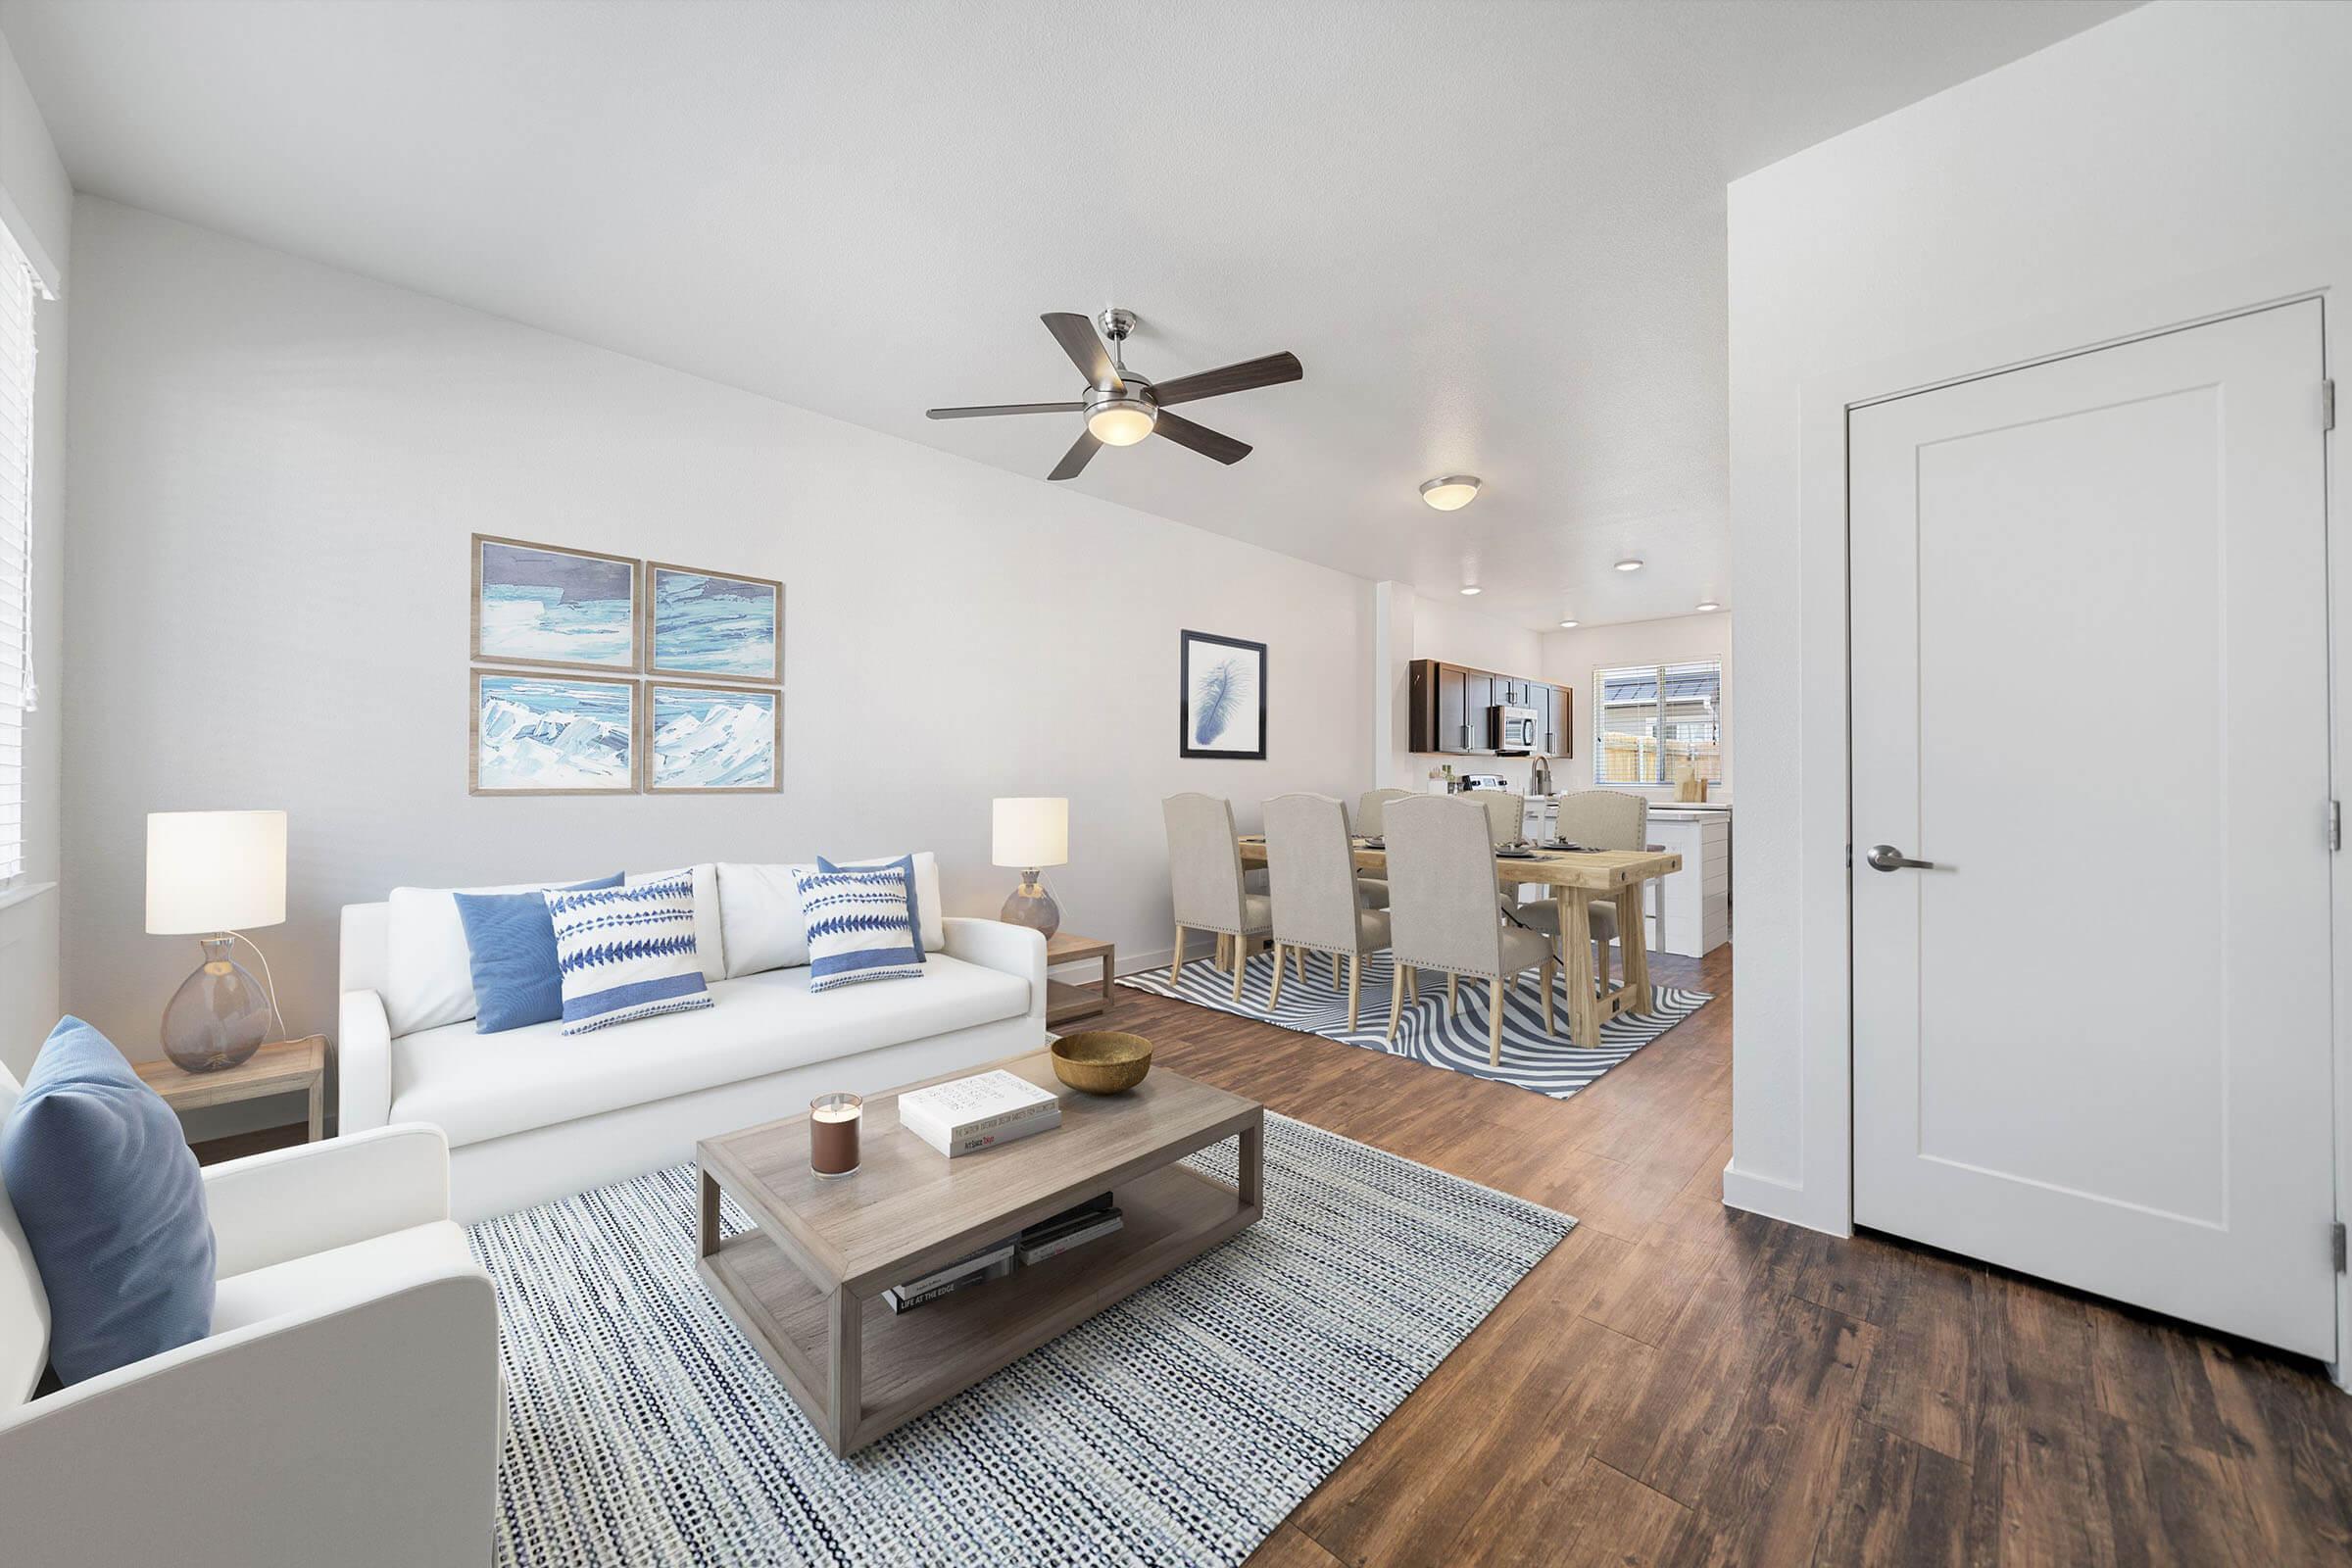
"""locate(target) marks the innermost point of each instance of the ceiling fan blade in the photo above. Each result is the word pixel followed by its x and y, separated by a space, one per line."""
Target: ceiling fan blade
pixel 1075 459
pixel 1199 438
pixel 984 410
pixel 1077 338
pixel 1270 370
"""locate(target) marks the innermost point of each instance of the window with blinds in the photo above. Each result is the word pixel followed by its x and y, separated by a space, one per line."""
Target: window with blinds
pixel 17 285
pixel 1649 719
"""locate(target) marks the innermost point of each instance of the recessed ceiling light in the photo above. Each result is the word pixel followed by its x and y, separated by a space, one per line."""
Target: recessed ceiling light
pixel 1472 588
pixel 1450 492
pixel 1629 564
pixel 1708 604
pixel 1567 624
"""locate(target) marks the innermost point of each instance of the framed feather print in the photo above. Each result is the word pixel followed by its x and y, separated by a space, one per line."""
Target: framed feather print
pixel 1221 703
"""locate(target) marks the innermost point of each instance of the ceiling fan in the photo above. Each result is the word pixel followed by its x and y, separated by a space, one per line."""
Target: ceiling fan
pixel 1121 407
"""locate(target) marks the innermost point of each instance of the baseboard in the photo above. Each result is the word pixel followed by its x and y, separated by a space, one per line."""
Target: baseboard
pixel 1775 1198
pixel 1204 946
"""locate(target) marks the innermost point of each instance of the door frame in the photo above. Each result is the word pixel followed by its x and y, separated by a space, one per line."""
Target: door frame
pixel 1822 1197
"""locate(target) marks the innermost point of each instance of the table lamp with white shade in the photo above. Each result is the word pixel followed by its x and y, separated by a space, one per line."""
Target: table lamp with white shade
pixel 212 875
pixel 1032 831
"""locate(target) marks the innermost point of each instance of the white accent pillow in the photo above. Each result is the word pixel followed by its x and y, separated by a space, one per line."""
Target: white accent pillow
pixel 759 911
pixel 708 940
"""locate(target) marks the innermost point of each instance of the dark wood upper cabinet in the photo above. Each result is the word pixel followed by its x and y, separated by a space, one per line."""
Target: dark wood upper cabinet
pixel 1448 708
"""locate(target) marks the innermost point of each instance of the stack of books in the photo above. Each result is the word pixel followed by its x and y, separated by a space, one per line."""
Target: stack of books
pixel 970 1114
pixel 1049 1237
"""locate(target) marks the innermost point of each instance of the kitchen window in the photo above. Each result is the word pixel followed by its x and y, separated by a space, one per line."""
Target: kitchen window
pixel 1652 719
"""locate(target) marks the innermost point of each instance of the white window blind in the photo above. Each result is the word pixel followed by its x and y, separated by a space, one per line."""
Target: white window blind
pixel 1652 718
pixel 17 285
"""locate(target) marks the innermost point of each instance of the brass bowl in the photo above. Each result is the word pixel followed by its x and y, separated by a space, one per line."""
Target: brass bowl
pixel 1102 1061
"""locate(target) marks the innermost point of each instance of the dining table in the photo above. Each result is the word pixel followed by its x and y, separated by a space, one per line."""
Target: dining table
pixel 1578 879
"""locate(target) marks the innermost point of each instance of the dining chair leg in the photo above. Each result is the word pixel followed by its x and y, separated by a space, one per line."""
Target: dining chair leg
pixel 1494 1024
pixel 1355 985
pixel 1548 968
pixel 1176 964
pixel 1453 994
pixel 1274 998
pixel 1334 971
pixel 1224 958
pixel 1240 967
pixel 1300 954
pixel 1396 999
pixel 1412 987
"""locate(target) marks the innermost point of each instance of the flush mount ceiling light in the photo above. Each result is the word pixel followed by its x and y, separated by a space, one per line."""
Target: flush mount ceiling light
pixel 1629 564
pixel 1450 492
pixel 1567 625
pixel 1708 604
pixel 1472 588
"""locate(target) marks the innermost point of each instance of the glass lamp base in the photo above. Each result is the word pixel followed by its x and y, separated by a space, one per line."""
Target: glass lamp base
pixel 219 1016
pixel 1030 905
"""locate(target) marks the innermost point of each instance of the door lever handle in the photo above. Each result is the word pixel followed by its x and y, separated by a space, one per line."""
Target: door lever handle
pixel 1886 858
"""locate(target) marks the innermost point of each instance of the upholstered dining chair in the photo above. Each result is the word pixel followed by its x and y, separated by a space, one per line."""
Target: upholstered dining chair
pixel 1373 891
pixel 1602 819
pixel 1506 814
pixel 1444 913
pixel 1315 905
pixel 1204 872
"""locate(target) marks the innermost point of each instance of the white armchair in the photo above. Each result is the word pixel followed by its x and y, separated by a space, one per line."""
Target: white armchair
pixel 345 1409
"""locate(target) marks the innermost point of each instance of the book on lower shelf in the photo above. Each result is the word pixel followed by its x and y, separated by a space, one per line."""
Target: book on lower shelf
pixel 1048 1239
pixel 968 1115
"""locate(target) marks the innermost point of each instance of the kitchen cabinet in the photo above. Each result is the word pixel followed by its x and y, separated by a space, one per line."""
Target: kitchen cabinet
pixel 1449 705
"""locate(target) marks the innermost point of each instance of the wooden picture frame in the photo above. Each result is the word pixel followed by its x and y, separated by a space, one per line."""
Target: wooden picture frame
pixel 650 619
pixel 628 686
pixel 1198 727
pixel 648 710
pixel 513 641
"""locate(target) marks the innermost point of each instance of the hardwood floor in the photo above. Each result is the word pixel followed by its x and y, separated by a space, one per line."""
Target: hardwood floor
pixel 1679 1384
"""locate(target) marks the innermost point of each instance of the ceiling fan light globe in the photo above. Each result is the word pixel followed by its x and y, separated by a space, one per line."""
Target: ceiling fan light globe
pixel 1120 422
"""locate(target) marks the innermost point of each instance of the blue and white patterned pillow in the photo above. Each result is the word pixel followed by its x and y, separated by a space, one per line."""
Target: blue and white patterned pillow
pixel 861 926
pixel 626 953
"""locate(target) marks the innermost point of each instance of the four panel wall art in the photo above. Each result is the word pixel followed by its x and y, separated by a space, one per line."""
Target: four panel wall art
pixel 644 677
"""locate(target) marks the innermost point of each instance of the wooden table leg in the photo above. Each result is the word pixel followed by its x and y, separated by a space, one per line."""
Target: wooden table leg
pixel 317 1116
pixel 1637 948
pixel 1356 986
pixel 707 1225
pixel 1576 956
pixel 844 1334
pixel 1251 1167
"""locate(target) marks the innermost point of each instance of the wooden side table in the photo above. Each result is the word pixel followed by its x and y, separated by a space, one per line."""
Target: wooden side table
pixel 283 1068
pixel 1065 1002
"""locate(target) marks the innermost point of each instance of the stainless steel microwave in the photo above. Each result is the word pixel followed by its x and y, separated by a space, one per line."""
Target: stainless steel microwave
pixel 1510 730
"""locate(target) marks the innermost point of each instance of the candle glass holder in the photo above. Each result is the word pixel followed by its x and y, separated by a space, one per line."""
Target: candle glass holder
pixel 833 1121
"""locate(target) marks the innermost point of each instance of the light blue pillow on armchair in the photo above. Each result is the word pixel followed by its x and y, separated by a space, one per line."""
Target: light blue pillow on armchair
pixel 511 946
pixel 108 1195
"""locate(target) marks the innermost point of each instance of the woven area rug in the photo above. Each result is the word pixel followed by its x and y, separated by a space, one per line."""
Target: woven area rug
pixel 1178 1426
pixel 1531 1060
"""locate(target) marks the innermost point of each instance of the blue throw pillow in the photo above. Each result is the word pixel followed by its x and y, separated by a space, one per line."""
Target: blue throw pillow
pixel 111 1204
pixel 914 905
pixel 860 924
pixel 511 946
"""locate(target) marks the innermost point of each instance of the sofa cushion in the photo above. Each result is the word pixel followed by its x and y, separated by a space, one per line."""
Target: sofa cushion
pixel 627 953
pixel 511 940
pixel 351 1273
pixel 428 970
pixel 860 925
pixel 108 1195
pixel 760 909
pixel 478 1086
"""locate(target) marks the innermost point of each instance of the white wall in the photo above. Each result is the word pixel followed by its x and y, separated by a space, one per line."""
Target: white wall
pixel 36 204
pixel 1422 627
pixel 274 469
pixel 1571 656
pixel 2046 206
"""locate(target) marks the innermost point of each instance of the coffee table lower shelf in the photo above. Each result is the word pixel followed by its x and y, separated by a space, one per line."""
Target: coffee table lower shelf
pixel 859 1369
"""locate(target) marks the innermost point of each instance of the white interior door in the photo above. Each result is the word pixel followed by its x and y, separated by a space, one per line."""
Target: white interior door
pixel 2090 643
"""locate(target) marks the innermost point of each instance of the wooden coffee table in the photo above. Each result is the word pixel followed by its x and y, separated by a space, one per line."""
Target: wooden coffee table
pixel 805 1283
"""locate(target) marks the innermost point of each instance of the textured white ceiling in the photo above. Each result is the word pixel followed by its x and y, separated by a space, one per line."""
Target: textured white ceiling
pixel 1493 232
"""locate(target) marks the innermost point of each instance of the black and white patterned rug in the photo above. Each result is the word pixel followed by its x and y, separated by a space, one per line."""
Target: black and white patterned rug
pixel 1426 1033
pixel 1178 1427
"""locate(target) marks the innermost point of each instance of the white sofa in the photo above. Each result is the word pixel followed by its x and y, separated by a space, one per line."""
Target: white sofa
pixel 533 1115
pixel 344 1407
